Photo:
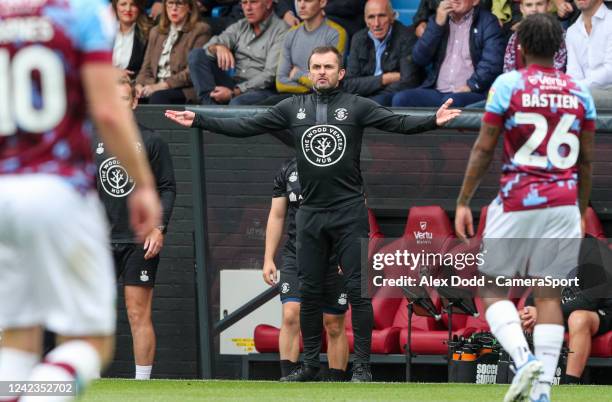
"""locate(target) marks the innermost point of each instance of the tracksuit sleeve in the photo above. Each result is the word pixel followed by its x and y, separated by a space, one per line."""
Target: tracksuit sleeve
pixel 273 119
pixel 374 115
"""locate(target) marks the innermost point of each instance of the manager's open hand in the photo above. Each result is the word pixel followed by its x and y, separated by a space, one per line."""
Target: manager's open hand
pixel 183 118
pixel 444 114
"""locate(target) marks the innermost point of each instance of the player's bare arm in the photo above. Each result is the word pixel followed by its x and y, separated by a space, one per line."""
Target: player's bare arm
pixel 274 233
pixel 480 158
pixel 585 169
pixel 118 130
pixel 585 173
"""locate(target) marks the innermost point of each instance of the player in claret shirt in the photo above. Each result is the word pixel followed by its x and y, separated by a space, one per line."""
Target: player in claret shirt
pixel 55 68
pixel 548 121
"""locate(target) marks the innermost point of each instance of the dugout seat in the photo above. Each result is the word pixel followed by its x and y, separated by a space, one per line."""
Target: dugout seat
pixel 375 235
pixel 593 225
pixel 601 345
pixel 266 339
pixel 385 336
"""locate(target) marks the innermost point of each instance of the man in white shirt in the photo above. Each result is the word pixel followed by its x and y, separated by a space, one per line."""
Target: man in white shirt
pixel 589 50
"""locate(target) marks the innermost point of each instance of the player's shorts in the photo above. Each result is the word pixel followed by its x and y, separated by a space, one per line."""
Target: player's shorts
pixel 56 268
pixel 335 300
pixel 535 243
pixel 131 264
pixel 605 322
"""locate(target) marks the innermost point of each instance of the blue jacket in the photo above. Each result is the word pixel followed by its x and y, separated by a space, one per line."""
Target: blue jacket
pixel 487 46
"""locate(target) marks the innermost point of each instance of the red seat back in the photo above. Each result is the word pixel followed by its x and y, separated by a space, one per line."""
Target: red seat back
pixel 593 225
pixel 375 232
pixel 418 322
pixel 428 222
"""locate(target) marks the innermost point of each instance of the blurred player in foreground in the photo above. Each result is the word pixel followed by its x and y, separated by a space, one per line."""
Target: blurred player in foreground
pixel 548 121
pixel 55 65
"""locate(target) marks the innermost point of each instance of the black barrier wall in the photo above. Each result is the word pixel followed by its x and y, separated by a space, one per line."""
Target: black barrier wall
pixel 399 171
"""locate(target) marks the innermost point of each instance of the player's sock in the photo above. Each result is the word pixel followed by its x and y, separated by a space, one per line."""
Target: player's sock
pixel 336 375
pixel 143 372
pixel 16 365
pixel 547 341
pixel 287 366
pixel 76 361
pixel 570 379
pixel 506 326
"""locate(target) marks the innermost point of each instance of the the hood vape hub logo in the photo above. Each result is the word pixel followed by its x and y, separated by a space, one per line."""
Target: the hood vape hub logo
pixel 323 145
pixel 115 179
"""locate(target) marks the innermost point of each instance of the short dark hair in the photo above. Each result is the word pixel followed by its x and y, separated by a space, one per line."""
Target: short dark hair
pixel 540 35
pixel 123 80
pixel 326 49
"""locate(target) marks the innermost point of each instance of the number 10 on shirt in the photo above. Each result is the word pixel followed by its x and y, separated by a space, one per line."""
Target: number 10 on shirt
pixel 17 92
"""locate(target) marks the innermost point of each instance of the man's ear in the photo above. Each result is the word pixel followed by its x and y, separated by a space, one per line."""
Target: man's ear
pixel 341 74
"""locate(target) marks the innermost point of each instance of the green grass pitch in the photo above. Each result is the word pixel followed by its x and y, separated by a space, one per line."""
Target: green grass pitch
pixel 194 390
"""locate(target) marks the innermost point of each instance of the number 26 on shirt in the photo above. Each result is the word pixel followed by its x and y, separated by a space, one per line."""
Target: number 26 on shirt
pixel 561 135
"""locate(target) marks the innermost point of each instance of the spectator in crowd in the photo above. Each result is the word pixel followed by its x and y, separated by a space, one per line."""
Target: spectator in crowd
pixel 238 67
pixel 315 30
pixel 136 262
pixel 155 8
pixel 347 13
pixel 466 52
pixel 512 58
pixel 427 8
pixel 164 77
pixel 230 12
pixel 566 12
pixel 507 12
pixel 132 36
pixel 589 50
pixel 381 60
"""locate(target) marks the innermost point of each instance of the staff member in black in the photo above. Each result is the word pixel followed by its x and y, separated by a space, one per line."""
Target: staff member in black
pixel 327 128
pixel 286 201
pixel 136 262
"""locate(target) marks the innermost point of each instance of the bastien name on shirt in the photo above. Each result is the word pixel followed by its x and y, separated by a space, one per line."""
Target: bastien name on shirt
pixel 550 100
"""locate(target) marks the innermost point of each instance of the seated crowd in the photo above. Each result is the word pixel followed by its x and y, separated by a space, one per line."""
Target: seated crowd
pixel 254 52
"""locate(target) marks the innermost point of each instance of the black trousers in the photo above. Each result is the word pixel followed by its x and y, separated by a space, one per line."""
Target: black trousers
pixel 173 96
pixel 318 234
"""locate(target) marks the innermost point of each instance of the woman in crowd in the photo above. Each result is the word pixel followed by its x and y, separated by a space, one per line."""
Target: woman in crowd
pixel 164 77
pixel 131 39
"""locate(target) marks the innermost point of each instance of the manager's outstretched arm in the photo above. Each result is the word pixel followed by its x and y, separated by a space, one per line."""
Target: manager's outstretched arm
pixel 384 119
pixel 273 119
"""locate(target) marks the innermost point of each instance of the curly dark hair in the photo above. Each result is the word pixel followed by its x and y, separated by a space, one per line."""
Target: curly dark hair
pixel 540 35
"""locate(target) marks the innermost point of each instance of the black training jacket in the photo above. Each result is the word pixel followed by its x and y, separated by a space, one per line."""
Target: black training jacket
pixel 327 129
